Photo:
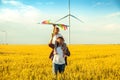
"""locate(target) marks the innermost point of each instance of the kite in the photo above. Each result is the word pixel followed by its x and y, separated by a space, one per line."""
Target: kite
pixel 62 26
pixel 46 22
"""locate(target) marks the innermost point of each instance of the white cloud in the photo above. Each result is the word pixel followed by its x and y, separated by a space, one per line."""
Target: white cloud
pixel 110 26
pixel 22 13
pixel 49 3
pixel 98 4
pixel 102 4
pixel 116 14
pixel 11 2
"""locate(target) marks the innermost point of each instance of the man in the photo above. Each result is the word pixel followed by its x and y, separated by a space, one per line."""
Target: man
pixel 60 53
pixel 52 42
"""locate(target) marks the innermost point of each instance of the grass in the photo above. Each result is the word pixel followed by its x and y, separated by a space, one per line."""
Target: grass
pixel 87 62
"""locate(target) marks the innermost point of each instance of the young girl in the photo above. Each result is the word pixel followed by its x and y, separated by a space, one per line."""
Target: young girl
pixel 55 34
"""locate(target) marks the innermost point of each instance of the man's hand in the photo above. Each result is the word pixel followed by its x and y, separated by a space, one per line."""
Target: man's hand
pixel 64 56
pixel 55 52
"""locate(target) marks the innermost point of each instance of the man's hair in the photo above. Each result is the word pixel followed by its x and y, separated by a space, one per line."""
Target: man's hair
pixel 56 43
pixel 61 38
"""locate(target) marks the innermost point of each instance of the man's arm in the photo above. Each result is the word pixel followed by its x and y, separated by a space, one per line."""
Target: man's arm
pixel 51 45
pixel 67 52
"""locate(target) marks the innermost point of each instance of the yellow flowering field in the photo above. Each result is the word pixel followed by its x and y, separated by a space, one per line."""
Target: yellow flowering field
pixel 87 62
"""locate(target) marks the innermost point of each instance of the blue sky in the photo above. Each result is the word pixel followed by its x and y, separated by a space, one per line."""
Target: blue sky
pixel 19 19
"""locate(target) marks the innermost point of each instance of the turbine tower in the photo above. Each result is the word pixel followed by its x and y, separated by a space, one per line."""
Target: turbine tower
pixel 5 38
pixel 69 15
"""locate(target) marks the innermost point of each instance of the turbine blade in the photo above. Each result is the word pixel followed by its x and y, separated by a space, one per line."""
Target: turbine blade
pixel 77 18
pixel 62 18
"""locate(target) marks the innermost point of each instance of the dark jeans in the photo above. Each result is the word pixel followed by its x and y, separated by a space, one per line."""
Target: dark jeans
pixel 58 67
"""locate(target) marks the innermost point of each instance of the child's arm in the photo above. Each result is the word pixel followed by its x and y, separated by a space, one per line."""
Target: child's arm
pixel 52 35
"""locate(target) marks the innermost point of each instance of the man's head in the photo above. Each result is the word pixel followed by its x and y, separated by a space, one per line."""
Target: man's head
pixel 60 40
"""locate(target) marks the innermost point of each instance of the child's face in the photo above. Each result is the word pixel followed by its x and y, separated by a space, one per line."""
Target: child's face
pixel 56 30
pixel 60 41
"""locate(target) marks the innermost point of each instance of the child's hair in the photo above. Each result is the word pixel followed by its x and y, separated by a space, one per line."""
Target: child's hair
pixel 55 28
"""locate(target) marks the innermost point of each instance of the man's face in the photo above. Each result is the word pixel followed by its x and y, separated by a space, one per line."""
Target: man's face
pixel 60 41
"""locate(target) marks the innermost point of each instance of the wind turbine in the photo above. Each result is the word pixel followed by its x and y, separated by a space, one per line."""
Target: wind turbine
pixel 69 15
pixel 5 37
